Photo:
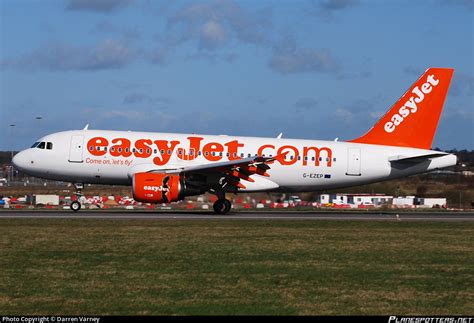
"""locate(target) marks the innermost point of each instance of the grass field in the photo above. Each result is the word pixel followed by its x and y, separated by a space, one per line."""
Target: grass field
pixel 235 267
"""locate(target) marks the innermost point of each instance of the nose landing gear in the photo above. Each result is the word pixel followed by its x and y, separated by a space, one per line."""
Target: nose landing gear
pixel 76 205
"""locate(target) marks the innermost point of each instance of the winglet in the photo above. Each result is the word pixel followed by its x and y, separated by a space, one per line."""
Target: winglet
pixel 86 127
pixel 413 119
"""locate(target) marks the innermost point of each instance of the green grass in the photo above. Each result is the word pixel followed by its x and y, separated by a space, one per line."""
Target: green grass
pixel 148 267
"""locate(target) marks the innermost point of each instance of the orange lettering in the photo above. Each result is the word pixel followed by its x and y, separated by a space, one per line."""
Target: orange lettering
pixel 120 150
pixel 232 148
pixel 164 145
pixel 194 146
pixel 317 152
pixel 211 148
pixel 142 148
pixel 94 144
pixel 260 150
pixel 283 161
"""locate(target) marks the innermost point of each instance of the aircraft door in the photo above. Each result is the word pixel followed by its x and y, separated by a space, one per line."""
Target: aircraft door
pixel 76 148
pixel 353 162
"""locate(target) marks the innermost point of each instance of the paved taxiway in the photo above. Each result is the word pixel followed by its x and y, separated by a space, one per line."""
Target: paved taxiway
pixel 342 216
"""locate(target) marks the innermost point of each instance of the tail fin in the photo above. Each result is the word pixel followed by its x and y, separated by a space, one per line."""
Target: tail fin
pixel 412 121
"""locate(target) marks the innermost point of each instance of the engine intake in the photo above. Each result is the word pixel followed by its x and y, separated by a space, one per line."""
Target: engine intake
pixel 158 188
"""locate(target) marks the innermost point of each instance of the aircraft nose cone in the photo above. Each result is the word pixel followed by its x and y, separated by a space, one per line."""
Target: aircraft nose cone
pixel 19 161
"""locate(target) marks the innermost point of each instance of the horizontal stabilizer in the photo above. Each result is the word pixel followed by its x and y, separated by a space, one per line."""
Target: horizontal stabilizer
pixel 415 159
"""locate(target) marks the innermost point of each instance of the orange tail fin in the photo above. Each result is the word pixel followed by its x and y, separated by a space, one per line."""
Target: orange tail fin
pixel 412 121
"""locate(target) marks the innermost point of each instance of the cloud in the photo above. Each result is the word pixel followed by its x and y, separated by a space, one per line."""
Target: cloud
pixel 134 98
pixel 215 23
pixel 149 119
pixel 468 4
pixel 462 84
pixel 212 35
pixel 326 9
pixel 343 115
pixel 334 5
pixel 212 57
pixel 257 99
pixel 376 114
pixel 108 54
pixel 159 55
pixel 411 70
pixel 303 60
pixel 306 104
pixel 122 32
pixel 103 6
pixel 124 114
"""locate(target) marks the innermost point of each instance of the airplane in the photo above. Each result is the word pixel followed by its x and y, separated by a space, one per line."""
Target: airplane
pixel 167 167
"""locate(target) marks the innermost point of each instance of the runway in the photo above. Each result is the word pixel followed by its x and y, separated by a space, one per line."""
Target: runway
pixel 179 215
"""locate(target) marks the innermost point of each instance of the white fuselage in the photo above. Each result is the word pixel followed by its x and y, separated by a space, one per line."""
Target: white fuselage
pixel 112 157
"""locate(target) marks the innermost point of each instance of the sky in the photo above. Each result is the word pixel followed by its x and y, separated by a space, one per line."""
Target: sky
pixel 311 69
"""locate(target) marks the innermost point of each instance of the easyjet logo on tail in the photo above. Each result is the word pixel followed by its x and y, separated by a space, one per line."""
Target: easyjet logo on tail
pixel 411 105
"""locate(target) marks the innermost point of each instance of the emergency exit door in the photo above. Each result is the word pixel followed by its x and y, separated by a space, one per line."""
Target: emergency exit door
pixel 353 162
pixel 76 148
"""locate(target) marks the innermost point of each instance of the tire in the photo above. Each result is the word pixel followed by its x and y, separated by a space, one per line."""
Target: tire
pixel 222 206
pixel 75 206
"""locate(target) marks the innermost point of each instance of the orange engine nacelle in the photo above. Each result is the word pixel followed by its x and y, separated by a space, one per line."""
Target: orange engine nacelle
pixel 157 188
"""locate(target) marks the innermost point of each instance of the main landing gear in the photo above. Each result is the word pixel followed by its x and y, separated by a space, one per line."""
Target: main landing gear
pixel 76 205
pixel 222 206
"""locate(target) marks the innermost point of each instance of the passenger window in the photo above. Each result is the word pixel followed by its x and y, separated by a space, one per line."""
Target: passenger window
pixel 49 145
pixel 41 145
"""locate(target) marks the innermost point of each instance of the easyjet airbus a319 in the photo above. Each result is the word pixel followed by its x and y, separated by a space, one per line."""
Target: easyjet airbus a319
pixel 167 167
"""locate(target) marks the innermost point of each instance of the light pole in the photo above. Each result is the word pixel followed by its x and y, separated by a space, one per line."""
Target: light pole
pixel 39 118
pixel 10 172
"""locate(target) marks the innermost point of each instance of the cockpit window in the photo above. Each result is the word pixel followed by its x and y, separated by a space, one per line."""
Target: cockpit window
pixel 35 144
pixel 49 145
pixel 41 145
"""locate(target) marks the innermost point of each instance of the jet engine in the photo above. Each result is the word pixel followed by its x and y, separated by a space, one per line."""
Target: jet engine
pixel 158 187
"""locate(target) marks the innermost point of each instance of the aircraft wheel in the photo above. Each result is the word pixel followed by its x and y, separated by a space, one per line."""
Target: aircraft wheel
pixel 75 206
pixel 222 206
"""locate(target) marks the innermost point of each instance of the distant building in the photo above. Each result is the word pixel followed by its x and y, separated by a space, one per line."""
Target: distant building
pixel 431 202
pixel 377 200
pixel 404 201
pixel 355 199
